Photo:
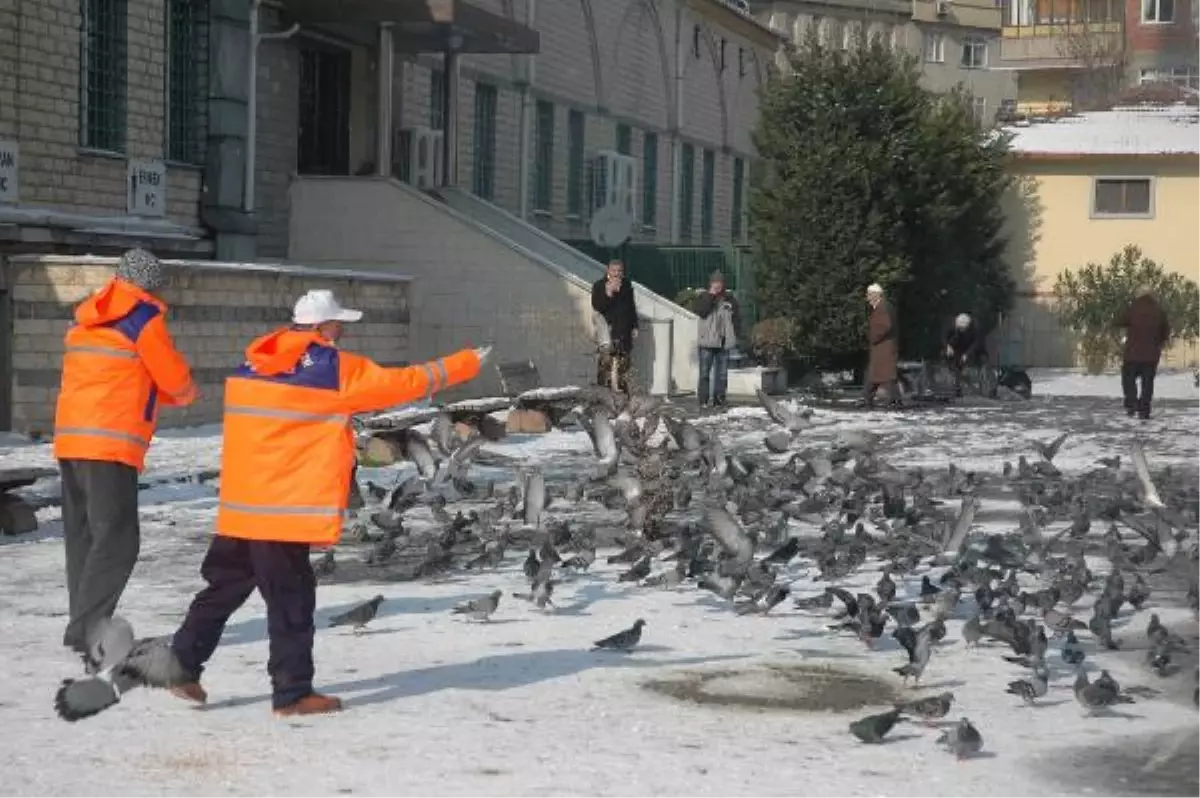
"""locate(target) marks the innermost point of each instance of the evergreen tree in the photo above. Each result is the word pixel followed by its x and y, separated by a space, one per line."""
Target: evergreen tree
pixel 865 177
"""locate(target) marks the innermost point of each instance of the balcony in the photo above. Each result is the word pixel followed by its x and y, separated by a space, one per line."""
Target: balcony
pixel 1050 34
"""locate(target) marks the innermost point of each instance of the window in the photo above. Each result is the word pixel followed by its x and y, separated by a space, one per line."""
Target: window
pixel 708 187
pixel 649 179
pixel 835 36
pixel 324 120
pixel 483 160
pixel 741 62
pixel 687 188
pixel 722 54
pixel 695 41
pixel 186 57
pixel 935 48
pixel 102 44
pixel 437 99
pixel 974 53
pixel 850 31
pixel 543 163
pixel 1180 76
pixel 575 145
pixel 1122 196
pixel 1158 11
pixel 739 178
pixel 624 139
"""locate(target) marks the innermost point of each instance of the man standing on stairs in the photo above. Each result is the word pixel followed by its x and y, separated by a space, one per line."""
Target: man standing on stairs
pixel 612 299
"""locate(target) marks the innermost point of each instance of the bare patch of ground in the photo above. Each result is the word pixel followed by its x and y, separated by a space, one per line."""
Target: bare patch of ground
pixel 805 688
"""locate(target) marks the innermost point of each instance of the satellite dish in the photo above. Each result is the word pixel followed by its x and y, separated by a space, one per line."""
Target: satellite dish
pixel 610 227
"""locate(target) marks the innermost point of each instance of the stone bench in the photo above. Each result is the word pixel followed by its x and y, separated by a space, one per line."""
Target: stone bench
pixel 17 516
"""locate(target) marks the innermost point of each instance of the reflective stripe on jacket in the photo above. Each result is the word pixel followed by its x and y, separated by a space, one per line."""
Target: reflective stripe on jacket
pixel 288 447
pixel 119 365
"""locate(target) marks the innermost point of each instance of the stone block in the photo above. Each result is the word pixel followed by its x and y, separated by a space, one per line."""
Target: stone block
pixel 378 451
pixel 527 422
pixel 16 516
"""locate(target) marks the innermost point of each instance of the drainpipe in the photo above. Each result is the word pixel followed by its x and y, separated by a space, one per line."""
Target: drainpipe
pixel 526 121
pixel 450 103
pixel 383 107
pixel 677 141
pixel 252 100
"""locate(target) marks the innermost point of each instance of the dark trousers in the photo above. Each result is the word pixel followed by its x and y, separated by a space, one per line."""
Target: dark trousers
pixel 100 529
pixel 891 386
pixel 604 369
pixel 714 361
pixel 1131 373
pixel 284 576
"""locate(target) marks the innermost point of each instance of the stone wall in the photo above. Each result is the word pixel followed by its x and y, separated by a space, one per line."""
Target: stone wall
pixel 215 310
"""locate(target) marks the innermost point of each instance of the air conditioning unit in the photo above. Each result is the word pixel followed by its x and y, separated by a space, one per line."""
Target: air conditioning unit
pixel 614 183
pixel 421 153
pixel 941 7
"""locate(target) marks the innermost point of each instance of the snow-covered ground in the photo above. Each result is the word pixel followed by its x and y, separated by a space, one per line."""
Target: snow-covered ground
pixel 521 706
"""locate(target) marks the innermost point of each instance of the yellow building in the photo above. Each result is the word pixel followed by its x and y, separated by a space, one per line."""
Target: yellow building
pixel 1090 185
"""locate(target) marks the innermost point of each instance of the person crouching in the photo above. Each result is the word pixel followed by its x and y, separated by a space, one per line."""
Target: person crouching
pixel 285 475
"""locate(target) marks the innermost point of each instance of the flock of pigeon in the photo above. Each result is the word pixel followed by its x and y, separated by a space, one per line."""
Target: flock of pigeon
pixel 698 514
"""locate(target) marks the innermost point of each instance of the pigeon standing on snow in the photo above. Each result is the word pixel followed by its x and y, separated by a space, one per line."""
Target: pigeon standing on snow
pixel 873 728
pixel 124 665
pixel 358 617
pixel 1072 652
pixel 480 609
pixel 963 740
pixel 624 640
pixel 1032 688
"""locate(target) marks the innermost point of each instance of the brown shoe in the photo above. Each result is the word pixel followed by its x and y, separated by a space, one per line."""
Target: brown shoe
pixel 191 691
pixel 312 704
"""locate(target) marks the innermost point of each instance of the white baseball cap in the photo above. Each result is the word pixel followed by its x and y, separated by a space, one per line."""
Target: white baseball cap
pixel 318 307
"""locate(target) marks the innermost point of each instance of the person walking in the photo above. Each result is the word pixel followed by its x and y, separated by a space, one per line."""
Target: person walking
pixel 719 321
pixel 882 348
pixel 119 366
pixel 612 300
pixel 286 464
pixel 1147 331
pixel 965 349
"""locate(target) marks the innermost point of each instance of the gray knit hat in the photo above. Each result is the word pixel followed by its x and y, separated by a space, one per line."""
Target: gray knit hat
pixel 141 268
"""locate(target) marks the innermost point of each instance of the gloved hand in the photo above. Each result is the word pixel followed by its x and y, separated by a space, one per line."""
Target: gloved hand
pixel 482 353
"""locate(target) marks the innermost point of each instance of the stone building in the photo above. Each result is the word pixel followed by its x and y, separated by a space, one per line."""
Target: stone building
pixel 957 42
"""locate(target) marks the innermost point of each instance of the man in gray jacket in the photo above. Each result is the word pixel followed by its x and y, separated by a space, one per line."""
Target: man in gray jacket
pixel 719 319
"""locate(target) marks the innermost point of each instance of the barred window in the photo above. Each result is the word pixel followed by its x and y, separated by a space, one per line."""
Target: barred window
pixel 739 179
pixel 437 99
pixel 575 152
pixel 624 139
pixel 543 164
pixel 103 42
pixel 187 55
pixel 687 189
pixel 707 192
pixel 649 179
pixel 483 178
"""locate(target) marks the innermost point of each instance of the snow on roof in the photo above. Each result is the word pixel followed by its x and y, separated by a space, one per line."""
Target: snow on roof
pixel 1170 130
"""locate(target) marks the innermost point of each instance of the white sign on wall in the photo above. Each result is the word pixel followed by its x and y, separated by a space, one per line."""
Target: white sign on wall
pixel 10 170
pixel 147 187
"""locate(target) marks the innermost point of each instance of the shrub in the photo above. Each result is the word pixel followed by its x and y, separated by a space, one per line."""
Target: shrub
pixel 687 298
pixel 1090 299
pixel 771 340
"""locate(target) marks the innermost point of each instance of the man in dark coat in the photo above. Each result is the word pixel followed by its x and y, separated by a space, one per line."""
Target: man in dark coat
pixel 884 350
pixel 612 299
pixel 964 348
pixel 1146 333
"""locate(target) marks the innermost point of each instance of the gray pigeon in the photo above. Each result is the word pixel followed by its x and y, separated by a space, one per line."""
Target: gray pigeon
pixel 358 617
pixel 1032 688
pixel 929 708
pixel 624 640
pixel 963 740
pixel 972 631
pixel 873 728
pixel 1098 695
pixel 480 609
pixel 150 662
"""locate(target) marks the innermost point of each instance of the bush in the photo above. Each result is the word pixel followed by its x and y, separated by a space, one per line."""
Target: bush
pixel 1089 300
pixel 687 298
pixel 771 340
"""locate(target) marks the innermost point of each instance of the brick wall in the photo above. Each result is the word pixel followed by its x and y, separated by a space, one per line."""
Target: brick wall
pixel 215 310
pixel 39 108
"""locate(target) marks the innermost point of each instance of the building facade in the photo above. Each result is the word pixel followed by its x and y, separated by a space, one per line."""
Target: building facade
pixel 1091 185
pixel 1079 54
pixel 956 41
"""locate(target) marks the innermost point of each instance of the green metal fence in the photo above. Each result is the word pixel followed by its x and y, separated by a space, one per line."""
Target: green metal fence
pixel 669 270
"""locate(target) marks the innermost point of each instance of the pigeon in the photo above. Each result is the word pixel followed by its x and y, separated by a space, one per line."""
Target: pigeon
pixel 581 561
pixel 777 441
pixel 480 609
pixel 963 740
pixel 784 554
pixel 1048 451
pixel 873 728
pixel 972 631
pixel 791 421
pixel 639 571
pixel 1160 636
pixel 1032 688
pixel 326 565
pixel 730 535
pixel 929 708
pixel 1099 694
pixel 919 645
pixel 1072 652
pixel 358 617
pixel 150 662
pixel 624 640
pixel 929 590
pixel 885 588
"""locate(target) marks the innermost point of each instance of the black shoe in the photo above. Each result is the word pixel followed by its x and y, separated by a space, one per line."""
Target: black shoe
pixel 1143 416
pixel 1129 411
pixel 719 402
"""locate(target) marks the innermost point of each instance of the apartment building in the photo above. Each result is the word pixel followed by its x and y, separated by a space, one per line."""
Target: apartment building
pixel 1078 54
pixel 956 41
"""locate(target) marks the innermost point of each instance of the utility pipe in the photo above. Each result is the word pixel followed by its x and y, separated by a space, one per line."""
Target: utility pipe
pixel 383 123
pixel 526 121
pixel 252 100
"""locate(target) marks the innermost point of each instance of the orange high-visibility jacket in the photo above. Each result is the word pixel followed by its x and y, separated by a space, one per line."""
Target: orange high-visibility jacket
pixel 119 365
pixel 288 446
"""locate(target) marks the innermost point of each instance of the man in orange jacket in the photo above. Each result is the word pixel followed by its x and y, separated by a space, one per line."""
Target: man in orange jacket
pixel 119 366
pixel 286 468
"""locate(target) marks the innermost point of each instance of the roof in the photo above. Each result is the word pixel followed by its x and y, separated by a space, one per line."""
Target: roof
pixel 1170 130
